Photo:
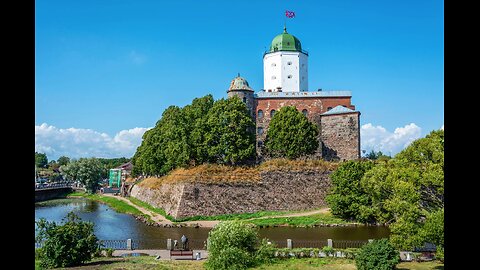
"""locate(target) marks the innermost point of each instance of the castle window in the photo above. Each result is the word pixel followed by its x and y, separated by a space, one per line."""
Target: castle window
pixel 259 143
pixel 244 100
pixel 272 113
pixel 260 114
pixel 260 130
pixel 273 64
pixel 305 112
pixel 289 63
pixel 289 76
pixel 273 77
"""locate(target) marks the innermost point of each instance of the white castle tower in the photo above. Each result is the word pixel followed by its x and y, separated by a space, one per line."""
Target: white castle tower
pixel 285 66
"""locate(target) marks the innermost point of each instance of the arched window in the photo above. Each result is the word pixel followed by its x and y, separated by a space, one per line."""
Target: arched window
pixel 244 100
pixel 260 130
pixel 273 64
pixel 260 114
pixel 289 63
pixel 272 112
pixel 305 112
pixel 289 76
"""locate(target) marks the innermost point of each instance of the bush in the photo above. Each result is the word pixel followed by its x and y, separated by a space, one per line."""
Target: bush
pixel 439 255
pixel 328 250
pixel 231 245
pixel 265 252
pixel 66 245
pixel 378 255
pixel 108 252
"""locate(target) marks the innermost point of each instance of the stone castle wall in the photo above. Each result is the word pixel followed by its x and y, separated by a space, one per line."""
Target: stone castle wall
pixel 277 191
pixel 342 138
pixel 340 134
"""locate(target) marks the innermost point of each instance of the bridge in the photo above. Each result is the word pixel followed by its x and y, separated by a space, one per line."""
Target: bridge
pixel 55 190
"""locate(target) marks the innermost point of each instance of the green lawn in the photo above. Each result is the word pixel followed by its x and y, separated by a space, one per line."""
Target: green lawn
pixel 118 205
pixel 317 219
pixel 149 262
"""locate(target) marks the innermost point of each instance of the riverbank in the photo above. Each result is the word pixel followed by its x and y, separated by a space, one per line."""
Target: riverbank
pixel 157 217
pixel 149 262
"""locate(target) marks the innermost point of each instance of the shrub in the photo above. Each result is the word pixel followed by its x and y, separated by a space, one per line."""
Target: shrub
pixel 328 250
pixel 108 252
pixel 439 255
pixel 231 245
pixel 66 245
pixel 378 255
pixel 265 252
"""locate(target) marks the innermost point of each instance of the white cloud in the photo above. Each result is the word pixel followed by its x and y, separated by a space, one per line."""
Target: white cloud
pixel 377 138
pixel 77 143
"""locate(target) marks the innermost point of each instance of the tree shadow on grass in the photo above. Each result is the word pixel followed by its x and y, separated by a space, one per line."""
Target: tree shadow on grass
pixel 439 267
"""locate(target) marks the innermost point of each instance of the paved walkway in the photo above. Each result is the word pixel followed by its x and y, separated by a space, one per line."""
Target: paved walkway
pixel 164 253
pixel 207 223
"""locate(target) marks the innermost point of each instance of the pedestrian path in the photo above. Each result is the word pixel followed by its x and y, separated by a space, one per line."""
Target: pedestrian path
pixel 160 254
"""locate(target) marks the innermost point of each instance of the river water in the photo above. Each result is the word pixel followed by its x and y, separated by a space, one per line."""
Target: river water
pixel 110 225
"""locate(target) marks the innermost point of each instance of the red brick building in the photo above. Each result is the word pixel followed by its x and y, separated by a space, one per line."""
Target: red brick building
pixel 285 84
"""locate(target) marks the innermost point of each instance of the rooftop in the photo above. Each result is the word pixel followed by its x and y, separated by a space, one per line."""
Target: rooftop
pixel 338 110
pixel 264 94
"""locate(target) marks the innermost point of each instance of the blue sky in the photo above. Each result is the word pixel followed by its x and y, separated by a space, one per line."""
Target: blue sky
pixel 107 67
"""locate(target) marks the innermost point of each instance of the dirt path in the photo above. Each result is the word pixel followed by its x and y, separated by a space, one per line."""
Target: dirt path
pixel 208 223
pixel 154 216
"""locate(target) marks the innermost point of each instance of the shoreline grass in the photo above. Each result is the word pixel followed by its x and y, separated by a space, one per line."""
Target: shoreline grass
pixel 301 221
pixel 117 205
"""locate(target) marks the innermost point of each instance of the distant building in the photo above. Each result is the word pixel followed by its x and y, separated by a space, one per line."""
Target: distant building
pixel 286 84
pixel 117 177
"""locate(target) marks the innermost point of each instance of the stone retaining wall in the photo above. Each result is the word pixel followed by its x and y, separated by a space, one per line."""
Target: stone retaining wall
pixel 277 191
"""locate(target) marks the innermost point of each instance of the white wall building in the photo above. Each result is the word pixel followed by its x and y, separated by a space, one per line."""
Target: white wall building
pixel 285 65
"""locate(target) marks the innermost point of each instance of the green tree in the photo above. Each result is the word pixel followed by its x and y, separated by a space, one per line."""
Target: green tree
pixel 70 244
pixel 63 160
pixel 229 135
pixel 196 115
pixel 86 170
pixel 290 134
pixel 41 160
pixel 231 245
pixel 347 196
pixel 406 189
pixel 378 255
pixel 204 131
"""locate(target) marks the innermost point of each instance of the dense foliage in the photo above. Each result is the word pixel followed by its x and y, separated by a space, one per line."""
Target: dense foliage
pixel 88 171
pixel 377 255
pixel 406 189
pixel 205 131
pixel 72 243
pixel 347 196
pixel 377 156
pixel 231 245
pixel 406 192
pixel 63 160
pixel 290 134
pixel 41 160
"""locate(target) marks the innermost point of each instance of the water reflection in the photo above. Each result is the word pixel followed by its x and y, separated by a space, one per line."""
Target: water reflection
pixel 110 225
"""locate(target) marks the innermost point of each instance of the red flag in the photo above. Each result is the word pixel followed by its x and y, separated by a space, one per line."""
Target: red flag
pixel 289 14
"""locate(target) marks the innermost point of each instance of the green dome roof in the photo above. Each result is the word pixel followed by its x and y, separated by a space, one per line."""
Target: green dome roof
pixel 285 42
pixel 239 83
